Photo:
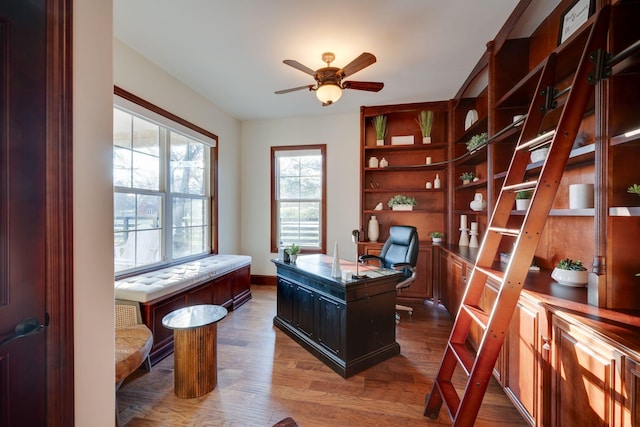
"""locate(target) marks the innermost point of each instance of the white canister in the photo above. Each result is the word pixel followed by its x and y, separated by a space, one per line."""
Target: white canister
pixel 580 196
pixel 384 163
pixel 373 162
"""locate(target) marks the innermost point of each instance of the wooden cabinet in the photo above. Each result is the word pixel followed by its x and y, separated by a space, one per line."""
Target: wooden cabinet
pixel 526 356
pixel 409 168
pixel 586 378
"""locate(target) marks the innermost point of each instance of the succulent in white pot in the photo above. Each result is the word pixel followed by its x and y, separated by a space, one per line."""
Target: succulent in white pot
pixel 436 236
pixel 570 273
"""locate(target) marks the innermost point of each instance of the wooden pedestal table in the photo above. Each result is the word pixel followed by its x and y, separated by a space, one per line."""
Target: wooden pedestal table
pixel 194 334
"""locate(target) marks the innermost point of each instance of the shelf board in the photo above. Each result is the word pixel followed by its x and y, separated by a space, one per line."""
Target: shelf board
pixel 563 212
pixel 407 147
pixel 471 185
pixel 478 127
pixel 626 138
pixel 439 166
pixel 404 190
pixel 414 211
pixel 474 157
pixel 624 211
pixel 469 212
pixel 579 155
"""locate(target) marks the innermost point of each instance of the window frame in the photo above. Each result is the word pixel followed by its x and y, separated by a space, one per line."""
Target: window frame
pixel 212 183
pixel 275 241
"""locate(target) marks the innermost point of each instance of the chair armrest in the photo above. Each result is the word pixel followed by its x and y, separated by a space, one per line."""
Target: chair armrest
pixel 402 266
pixel 367 258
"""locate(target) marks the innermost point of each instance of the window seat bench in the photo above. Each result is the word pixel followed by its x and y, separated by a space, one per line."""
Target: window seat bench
pixel 216 279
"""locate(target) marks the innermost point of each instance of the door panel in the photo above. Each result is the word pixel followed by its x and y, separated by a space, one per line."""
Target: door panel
pixel 23 148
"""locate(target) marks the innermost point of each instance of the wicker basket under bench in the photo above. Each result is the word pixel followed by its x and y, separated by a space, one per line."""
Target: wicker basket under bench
pixel 218 279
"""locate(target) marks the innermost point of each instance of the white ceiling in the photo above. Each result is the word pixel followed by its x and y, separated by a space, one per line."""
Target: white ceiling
pixel 231 51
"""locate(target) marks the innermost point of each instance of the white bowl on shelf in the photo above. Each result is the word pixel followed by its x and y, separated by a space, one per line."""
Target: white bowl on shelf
pixel 539 155
pixel 573 278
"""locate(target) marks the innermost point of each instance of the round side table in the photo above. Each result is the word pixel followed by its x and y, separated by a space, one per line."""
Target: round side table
pixel 194 337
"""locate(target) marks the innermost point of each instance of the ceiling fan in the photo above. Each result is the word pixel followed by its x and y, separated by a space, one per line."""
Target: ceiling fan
pixel 329 84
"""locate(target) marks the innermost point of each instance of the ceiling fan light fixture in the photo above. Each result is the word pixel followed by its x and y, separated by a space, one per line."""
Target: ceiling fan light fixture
pixel 328 93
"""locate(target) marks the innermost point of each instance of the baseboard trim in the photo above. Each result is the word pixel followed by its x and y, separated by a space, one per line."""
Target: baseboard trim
pixel 263 280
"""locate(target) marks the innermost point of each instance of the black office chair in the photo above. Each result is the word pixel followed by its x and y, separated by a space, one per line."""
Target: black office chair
pixel 399 252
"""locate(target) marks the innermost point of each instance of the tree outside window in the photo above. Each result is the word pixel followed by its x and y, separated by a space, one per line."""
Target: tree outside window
pixel 298 193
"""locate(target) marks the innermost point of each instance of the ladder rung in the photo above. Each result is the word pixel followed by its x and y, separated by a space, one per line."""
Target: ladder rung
pixel 538 141
pixel 522 186
pixel 465 358
pixel 514 232
pixel 449 397
pixel 496 275
pixel 477 314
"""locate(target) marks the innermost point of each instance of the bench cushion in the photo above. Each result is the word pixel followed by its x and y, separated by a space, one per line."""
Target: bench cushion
pixel 146 287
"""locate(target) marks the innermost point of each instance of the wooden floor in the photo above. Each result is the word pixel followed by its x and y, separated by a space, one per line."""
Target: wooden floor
pixel 264 376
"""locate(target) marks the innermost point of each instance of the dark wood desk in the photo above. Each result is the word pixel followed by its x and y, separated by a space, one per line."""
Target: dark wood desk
pixel 348 325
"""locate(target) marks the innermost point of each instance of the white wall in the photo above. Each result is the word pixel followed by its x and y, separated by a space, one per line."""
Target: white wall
pixel 143 78
pixel 341 134
pixel 93 213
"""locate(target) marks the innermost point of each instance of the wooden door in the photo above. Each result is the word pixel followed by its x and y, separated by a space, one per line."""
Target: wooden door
pixel 36 369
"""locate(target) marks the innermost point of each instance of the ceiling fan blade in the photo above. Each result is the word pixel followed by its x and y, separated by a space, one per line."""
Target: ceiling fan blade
pixel 293 89
pixel 357 64
pixel 369 86
pixel 299 66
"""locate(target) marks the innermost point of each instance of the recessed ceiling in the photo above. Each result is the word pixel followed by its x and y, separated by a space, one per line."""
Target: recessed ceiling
pixel 231 52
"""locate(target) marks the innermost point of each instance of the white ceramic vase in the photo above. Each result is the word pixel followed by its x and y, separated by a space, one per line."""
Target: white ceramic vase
pixel 373 230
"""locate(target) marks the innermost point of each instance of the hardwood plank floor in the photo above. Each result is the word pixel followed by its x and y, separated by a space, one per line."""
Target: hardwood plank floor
pixel 264 376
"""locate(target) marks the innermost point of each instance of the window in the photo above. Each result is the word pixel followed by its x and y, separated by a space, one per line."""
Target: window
pixel 298 194
pixel 163 186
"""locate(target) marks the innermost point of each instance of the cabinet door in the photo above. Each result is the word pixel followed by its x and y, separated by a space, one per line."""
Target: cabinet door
pixel 330 323
pixel 422 287
pixel 585 377
pixel 286 294
pixel 304 311
pixel 444 288
pixel 631 405
pixel 523 376
pixel 457 281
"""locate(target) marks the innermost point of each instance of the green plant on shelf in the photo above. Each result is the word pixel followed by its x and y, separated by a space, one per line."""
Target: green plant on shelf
pixel 634 189
pixel 477 141
pixel 467 176
pixel 425 121
pixel 379 123
pixel 400 199
pixel 436 235
pixel 522 195
pixel 569 264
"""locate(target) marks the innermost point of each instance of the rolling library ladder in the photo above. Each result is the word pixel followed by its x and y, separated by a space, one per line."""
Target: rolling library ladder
pixel 495 324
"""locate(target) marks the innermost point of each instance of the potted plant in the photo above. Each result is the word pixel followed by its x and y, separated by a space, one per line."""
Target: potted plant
pixel 425 121
pixel 400 202
pixel 467 177
pixel 293 252
pixel 570 273
pixel 634 189
pixel 436 236
pixel 477 141
pixel 380 126
pixel 523 198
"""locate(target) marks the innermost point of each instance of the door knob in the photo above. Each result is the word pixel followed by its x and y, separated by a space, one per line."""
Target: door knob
pixel 25 328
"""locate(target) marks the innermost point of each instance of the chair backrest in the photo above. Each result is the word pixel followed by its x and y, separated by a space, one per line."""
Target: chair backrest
pixel 401 246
